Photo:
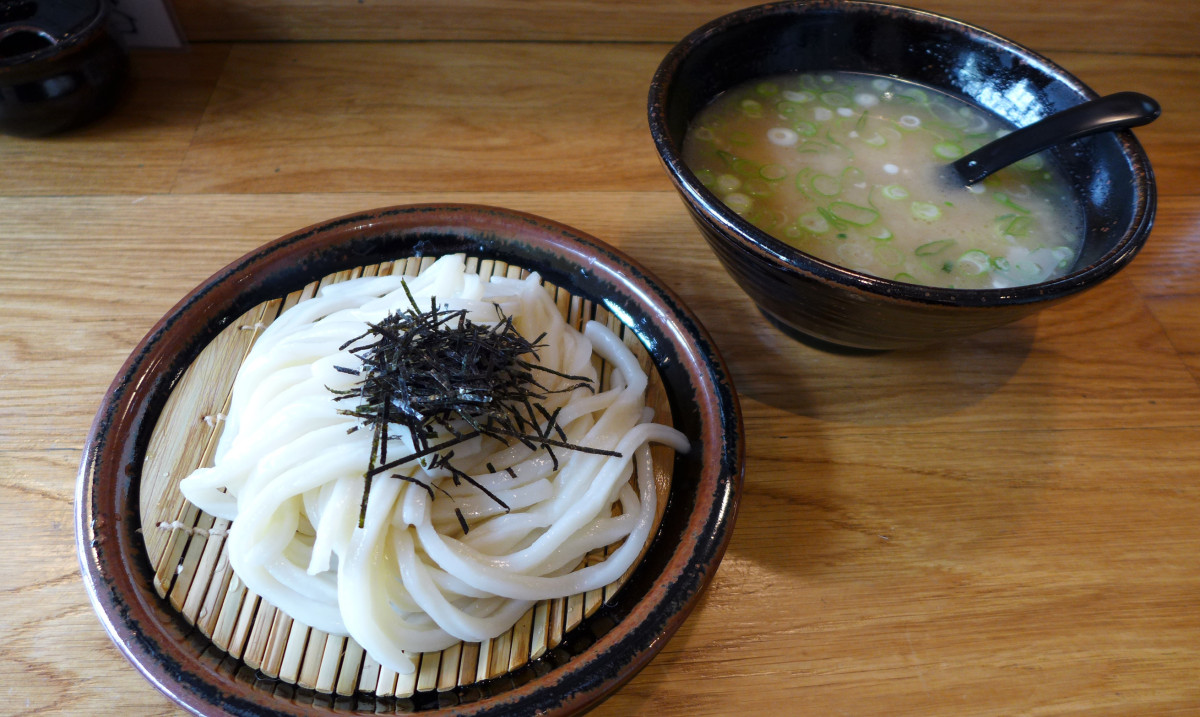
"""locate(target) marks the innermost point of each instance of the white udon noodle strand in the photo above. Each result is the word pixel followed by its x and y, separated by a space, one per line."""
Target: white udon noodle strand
pixel 290 477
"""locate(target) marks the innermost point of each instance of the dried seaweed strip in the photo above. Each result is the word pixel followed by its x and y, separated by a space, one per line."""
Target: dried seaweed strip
pixel 436 373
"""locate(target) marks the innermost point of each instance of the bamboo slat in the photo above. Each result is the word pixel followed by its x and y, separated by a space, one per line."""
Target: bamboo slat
pixel 186 546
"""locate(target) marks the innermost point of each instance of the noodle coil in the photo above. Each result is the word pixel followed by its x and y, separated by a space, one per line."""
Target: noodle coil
pixel 289 473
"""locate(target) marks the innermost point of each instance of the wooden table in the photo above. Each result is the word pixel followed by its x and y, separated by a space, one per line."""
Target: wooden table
pixel 1007 525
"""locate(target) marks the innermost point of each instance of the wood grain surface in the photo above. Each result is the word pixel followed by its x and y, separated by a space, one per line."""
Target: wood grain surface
pixel 1144 26
pixel 1007 525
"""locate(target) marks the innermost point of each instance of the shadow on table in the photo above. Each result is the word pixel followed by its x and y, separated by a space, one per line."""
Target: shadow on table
pixel 884 388
pixel 813 507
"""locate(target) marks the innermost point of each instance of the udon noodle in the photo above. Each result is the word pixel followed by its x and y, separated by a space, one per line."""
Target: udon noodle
pixel 289 473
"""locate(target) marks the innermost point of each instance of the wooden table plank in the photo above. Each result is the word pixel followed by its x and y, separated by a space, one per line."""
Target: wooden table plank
pixel 1143 26
pixel 987 588
pixel 1106 338
pixel 302 117
pixel 1170 140
pixel 428 117
pixel 137 148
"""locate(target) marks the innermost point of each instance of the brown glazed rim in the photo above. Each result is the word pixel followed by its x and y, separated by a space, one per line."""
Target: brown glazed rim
pixel 66 42
pixel 623 635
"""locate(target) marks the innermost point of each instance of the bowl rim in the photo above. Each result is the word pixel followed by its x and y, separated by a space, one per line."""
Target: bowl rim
pixel 61 46
pixel 147 630
pixel 797 264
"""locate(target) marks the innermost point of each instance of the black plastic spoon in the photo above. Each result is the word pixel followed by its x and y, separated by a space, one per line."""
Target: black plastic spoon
pixel 1111 112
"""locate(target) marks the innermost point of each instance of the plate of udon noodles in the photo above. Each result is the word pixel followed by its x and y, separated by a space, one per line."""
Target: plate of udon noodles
pixel 433 459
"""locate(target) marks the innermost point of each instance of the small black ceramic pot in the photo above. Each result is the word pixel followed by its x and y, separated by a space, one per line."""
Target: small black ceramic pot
pixel 1109 173
pixel 60 65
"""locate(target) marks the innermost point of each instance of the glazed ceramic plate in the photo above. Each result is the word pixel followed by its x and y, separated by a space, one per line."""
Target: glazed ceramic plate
pixel 604 647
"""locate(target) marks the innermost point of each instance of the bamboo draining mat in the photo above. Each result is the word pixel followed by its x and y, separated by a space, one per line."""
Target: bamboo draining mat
pixel 186 546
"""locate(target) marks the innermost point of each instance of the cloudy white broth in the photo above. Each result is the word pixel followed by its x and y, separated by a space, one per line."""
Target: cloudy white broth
pixel 847 167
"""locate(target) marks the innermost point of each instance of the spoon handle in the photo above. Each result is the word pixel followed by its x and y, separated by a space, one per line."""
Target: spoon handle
pixel 1116 111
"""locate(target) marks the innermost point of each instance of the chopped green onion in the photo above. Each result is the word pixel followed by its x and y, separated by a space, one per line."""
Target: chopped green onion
pixel 814 223
pixel 752 109
pixel 782 136
pixel 925 211
pixel 1064 255
pixel 788 109
pixel 835 99
pixel 773 172
pixel 974 262
pixel 728 182
pixel 947 115
pixel 894 191
pixel 853 254
pixel 766 218
pixel 798 97
pixel 806 129
pixel 1019 227
pixel 947 150
pixel 745 167
pixel 1029 271
pixel 802 183
pixel 825 185
pixel 756 187
pixel 882 234
pixel 1006 201
pixel 834 142
pixel 831 217
pixel 854 214
pixel 888 255
pixel 766 88
pixel 738 202
pixel 934 247
pixel 976 122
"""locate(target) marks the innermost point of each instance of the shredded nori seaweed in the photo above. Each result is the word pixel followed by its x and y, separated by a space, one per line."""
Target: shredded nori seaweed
pixel 434 373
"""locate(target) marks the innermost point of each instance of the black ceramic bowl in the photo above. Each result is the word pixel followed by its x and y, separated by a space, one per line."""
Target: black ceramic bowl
pixel 60 65
pixel 1109 173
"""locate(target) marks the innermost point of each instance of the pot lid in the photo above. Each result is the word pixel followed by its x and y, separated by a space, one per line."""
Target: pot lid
pixel 30 25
